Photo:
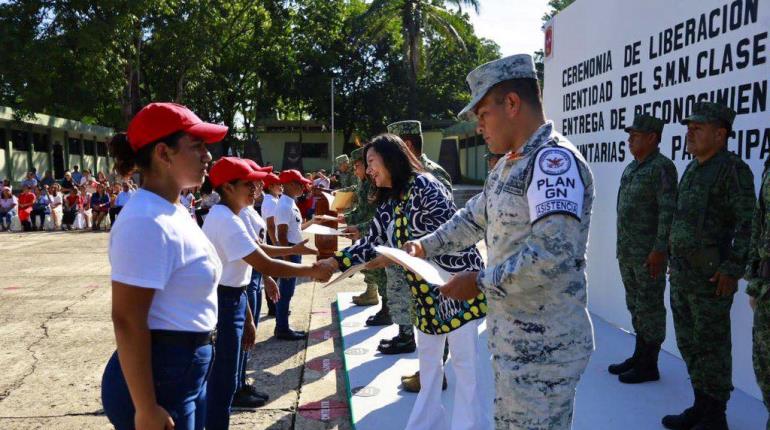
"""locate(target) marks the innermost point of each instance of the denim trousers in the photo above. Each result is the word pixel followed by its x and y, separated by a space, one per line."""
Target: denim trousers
pixel 253 297
pixel 286 287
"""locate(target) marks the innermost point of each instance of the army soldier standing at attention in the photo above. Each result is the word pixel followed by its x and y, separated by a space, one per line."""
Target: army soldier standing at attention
pixel 759 284
pixel 534 213
pixel 411 133
pixel 709 245
pixel 344 175
pixel 646 203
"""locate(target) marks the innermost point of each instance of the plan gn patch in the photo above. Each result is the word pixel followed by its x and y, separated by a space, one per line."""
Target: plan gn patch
pixel 556 186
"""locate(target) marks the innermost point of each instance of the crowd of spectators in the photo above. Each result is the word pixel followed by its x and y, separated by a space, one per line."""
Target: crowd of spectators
pixel 77 201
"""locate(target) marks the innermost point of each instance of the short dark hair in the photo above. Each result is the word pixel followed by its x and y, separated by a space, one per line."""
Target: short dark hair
pixel 415 139
pixel 527 89
pixel 399 161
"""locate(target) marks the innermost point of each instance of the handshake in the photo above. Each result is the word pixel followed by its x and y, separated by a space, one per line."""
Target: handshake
pixel 323 270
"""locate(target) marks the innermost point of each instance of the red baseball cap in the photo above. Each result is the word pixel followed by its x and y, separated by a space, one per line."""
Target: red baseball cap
pixel 157 120
pixel 293 176
pixel 253 164
pixel 271 179
pixel 228 169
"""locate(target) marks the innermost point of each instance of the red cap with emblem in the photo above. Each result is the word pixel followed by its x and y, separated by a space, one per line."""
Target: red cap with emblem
pixel 293 176
pixel 229 169
pixel 253 164
pixel 158 120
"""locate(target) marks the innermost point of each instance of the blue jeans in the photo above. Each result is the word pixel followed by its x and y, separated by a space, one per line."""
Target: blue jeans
pixel 179 374
pixel 224 373
pixel 254 298
pixel 286 287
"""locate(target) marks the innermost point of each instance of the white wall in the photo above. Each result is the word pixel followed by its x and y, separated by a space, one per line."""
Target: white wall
pixel 589 28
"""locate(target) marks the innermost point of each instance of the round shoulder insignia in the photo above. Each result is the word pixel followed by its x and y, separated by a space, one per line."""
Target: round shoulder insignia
pixel 555 161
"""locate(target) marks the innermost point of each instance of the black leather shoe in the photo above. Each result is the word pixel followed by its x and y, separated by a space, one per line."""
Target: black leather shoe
pixel 243 400
pixel 625 366
pixel 378 319
pixel 688 418
pixel 290 335
pixel 398 347
pixel 256 393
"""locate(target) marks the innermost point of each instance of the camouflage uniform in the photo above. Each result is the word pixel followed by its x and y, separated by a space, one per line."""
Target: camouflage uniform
pixel 645 206
pixel 758 276
pixel 540 332
pixel 710 233
pixel 345 179
pixel 360 217
pixel 414 128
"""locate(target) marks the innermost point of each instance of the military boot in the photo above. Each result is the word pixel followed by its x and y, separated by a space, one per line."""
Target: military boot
pixel 618 368
pixel 713 416
pixel 689 417
pixel 646 366
pixel 368 297
pixel 382 317
pixel 404 343
pixel 411 383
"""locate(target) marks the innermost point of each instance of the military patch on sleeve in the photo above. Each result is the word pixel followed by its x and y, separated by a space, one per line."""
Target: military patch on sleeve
pixel 556 186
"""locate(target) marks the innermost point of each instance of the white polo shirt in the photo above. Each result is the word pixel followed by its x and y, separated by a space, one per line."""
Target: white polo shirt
pixel 288 213
pixel 156 244
pixel 254 223
pixel 232 242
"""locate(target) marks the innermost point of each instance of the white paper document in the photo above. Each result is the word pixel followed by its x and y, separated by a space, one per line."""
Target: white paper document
pixel 429 271
pixel 346 274
pixel 326 218
pixel 322 230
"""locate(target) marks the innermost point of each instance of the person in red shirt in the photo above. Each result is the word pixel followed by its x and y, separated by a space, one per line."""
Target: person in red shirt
pixel 26 201
pixel 72 205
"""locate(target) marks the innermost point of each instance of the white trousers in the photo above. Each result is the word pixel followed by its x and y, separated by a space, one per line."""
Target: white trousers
pixel 428 412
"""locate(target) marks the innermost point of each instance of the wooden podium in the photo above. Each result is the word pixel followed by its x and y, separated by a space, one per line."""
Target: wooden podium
pixel 326 245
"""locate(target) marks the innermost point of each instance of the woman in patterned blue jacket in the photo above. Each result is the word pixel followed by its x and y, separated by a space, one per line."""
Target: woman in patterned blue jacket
pixel 411 204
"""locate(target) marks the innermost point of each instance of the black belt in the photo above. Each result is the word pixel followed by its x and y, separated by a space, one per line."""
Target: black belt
pixel 225 289
pixel 181 338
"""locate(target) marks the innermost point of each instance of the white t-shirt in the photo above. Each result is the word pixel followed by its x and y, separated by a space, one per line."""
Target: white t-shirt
pixel 288 213
pixel 155 244
pixel 57 200
pixel 254 223
pixel 269 204
pixel 186 201
pixel 322 183
pixel 232 242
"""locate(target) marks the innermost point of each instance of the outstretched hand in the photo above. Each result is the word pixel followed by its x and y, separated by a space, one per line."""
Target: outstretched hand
pixel 302 249
pixel 726 284
pixel 462 286
pixel 414 248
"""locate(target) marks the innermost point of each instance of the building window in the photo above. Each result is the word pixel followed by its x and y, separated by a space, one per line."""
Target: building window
pixel 3 141
pixel 101 149
pixel 40 142
pixel 75 145
pixel 89 147
pixel 19 139
pixel 315 150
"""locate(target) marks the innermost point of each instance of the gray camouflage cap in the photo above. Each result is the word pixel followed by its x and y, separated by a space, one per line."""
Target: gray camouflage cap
pixel 402 128
pixel 486 76
pixel 341 159
pixel 646 124
pixel 711 112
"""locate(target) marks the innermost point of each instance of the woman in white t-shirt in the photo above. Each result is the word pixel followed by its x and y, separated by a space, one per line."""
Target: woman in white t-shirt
pixel 8 205
pixel 233 180
pixel 164 276
pixel 270 203
pixel 57 199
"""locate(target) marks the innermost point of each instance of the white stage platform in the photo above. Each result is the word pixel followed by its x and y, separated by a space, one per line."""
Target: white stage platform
pixel 377 400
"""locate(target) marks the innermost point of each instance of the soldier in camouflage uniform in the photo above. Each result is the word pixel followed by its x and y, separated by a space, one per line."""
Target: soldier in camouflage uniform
pixel 345 177
pixel 358 221
pixel 709 246
pixel 646 203
pixel 411 133
pixel 758 275
pixel 534 213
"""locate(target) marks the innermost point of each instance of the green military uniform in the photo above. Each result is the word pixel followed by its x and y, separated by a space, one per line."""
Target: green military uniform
pixel 414 128
pixel 345 179
pixel 645 207
pixel 758 276
pixel 360 217
pixel 710 233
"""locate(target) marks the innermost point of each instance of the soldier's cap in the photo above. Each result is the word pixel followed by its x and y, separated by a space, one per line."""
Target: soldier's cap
pixel 646 124
pixel 711 112
pixel 486 76
pixel 357 155
pixel 489 155
pixel 403 128
pixel 342 159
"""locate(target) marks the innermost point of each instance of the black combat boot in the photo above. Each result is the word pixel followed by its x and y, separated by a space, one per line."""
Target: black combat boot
pixel 617 369
pixel 646 367
pixel 687 419
pixel 713 416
